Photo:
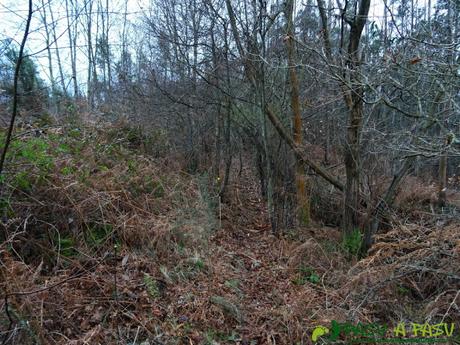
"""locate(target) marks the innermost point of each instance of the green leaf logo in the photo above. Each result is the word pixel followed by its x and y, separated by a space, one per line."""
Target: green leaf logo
pixel 318 332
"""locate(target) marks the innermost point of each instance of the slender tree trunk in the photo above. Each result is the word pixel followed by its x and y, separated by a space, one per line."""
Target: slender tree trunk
pixel 109 65
pixel 50 60
pixel 442 188
pixel 352 159
pixel 124 45
pixel 412 15
pixel 385 203
pixel 15 89
pixel 260 92
pixel 219 118
pixel 385 27
pixel 299 152
pixel 72 33
pixel 303 200
pixel 353 93
pixel 228 146
pixel 195 27
pixel 256 76
pixel 89 82
pixel 58 57
pixel 103 51
pixel 228 151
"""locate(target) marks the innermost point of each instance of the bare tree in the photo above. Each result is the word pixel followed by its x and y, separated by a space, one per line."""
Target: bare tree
pixel 303 202
pixel 58 56
pixel 72 30
pixel 15 92
pixel 353 93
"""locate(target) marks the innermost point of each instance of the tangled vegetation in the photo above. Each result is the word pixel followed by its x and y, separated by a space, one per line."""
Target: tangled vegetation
pixel 103 244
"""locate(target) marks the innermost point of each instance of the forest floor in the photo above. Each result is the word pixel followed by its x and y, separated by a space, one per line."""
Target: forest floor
pixel 145 256
pixel 274 281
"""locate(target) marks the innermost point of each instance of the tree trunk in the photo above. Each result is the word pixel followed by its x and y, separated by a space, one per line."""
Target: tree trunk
pixel 385 203
pixel 50 61
pixel 255 74
pixel 228 151
pixel 17 71
pixel 353 95
pixel 352 160
pixel 70 11
pixel 59 63
pixel 303 200
pixel 109 66
pixel 442 187
pixel 89 81
pixel 299 153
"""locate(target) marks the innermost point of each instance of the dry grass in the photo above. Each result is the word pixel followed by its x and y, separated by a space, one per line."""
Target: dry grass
pixel 113 247
pixel 414 265
pixel 76 220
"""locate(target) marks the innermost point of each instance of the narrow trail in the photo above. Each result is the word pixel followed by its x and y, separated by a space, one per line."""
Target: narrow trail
pixel 251 267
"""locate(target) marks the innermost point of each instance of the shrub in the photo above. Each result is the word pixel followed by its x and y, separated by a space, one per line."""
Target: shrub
pixel 306 274
pixel 352 242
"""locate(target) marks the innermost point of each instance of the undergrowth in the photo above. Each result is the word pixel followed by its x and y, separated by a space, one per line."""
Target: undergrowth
pixel 79 197
pixel 352 242
pixel 102 242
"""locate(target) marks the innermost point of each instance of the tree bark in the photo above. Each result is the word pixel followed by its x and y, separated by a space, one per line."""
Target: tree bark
pixel 89 81
pixel 58 56
pixel 299 153
pixel 385 203
pixel 15 90
pixel 303 199
pixel 442 187
pixel 50 61
pixel 353 93
pixel 70 13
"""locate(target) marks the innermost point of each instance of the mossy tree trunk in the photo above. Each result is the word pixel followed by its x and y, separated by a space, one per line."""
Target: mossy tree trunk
pixel 303 199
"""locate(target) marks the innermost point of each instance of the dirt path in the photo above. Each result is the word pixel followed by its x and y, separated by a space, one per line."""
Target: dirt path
pixel 251 283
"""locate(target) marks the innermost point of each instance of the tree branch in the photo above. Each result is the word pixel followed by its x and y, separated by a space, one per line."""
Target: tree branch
pixel 15 89
pixel 297 151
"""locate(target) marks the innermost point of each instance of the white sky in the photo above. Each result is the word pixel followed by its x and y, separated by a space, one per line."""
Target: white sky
pixel 12 23
pixel 14 12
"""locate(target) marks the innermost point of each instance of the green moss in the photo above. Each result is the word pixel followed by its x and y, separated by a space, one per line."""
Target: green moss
pixel 132 166
pixel 232 283
pixel 158 189
pixel 74 133
pixel 33 151
pixel 213 336
pixel 84 175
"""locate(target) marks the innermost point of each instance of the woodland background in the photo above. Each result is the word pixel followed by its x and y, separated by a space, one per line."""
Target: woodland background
pixel 227 171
